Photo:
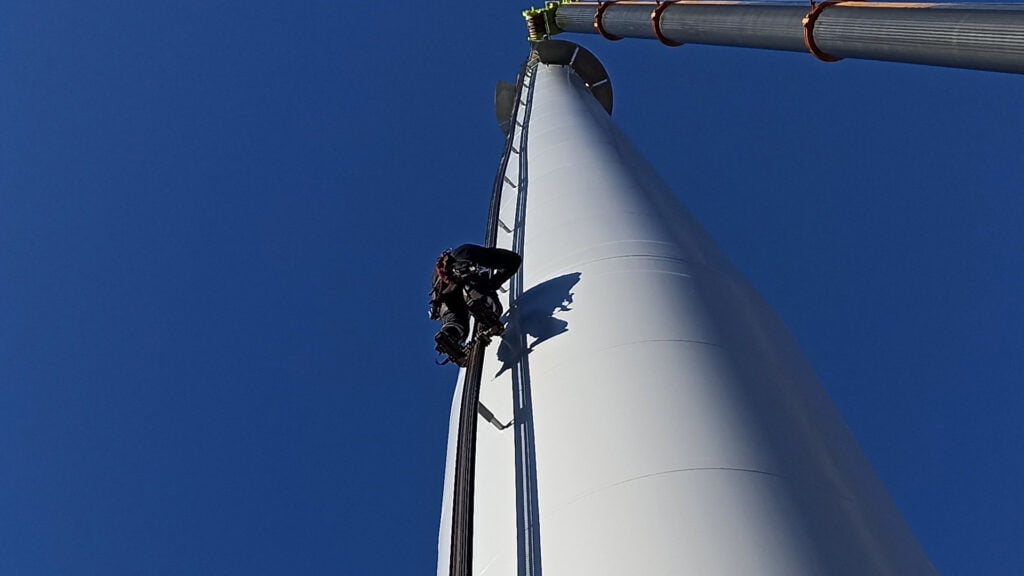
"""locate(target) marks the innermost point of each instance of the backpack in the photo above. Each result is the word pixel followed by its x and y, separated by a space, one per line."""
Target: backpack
pixel 449 274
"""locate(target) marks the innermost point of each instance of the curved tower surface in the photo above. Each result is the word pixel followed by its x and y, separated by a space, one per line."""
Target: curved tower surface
pixel 645 411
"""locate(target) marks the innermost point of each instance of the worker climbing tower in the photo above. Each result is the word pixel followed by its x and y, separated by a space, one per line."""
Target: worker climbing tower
pixel 645 411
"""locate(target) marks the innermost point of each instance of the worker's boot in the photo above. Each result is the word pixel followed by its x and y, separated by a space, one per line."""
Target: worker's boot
pixel 448 341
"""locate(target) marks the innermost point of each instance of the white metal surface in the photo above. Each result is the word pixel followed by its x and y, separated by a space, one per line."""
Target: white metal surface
pixel 665 421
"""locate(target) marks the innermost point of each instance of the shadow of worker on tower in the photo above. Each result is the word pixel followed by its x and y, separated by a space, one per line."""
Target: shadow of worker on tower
pixel 533 314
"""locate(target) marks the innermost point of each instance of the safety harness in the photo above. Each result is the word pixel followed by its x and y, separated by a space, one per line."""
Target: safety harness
pixel 450 274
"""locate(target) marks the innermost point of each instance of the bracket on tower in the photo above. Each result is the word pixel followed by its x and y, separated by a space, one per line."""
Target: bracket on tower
pixel 582 62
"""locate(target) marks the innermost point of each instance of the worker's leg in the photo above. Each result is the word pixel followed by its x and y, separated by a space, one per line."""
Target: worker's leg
pixel 486 309
pixel 454 328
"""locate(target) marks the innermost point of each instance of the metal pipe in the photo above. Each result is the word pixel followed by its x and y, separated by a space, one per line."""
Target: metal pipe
pixel 975 36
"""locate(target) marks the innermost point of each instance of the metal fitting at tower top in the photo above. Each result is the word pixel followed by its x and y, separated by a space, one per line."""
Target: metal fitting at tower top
pixel 540 22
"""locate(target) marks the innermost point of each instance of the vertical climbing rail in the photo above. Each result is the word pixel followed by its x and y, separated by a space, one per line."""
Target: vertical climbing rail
pixel 527 507
pixel 461 558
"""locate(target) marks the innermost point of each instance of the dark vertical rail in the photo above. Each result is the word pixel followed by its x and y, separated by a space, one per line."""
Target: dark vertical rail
pixel 974 36
pixel 461 562
pixel 527 507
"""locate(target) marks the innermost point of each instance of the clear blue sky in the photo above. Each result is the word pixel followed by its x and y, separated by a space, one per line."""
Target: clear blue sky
pixel 217 222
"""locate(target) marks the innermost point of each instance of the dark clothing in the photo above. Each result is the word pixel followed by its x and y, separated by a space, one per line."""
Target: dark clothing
pixel 502 264
pixel 465 282
pixel 454 313
pixel 474 267
pixel 468 262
